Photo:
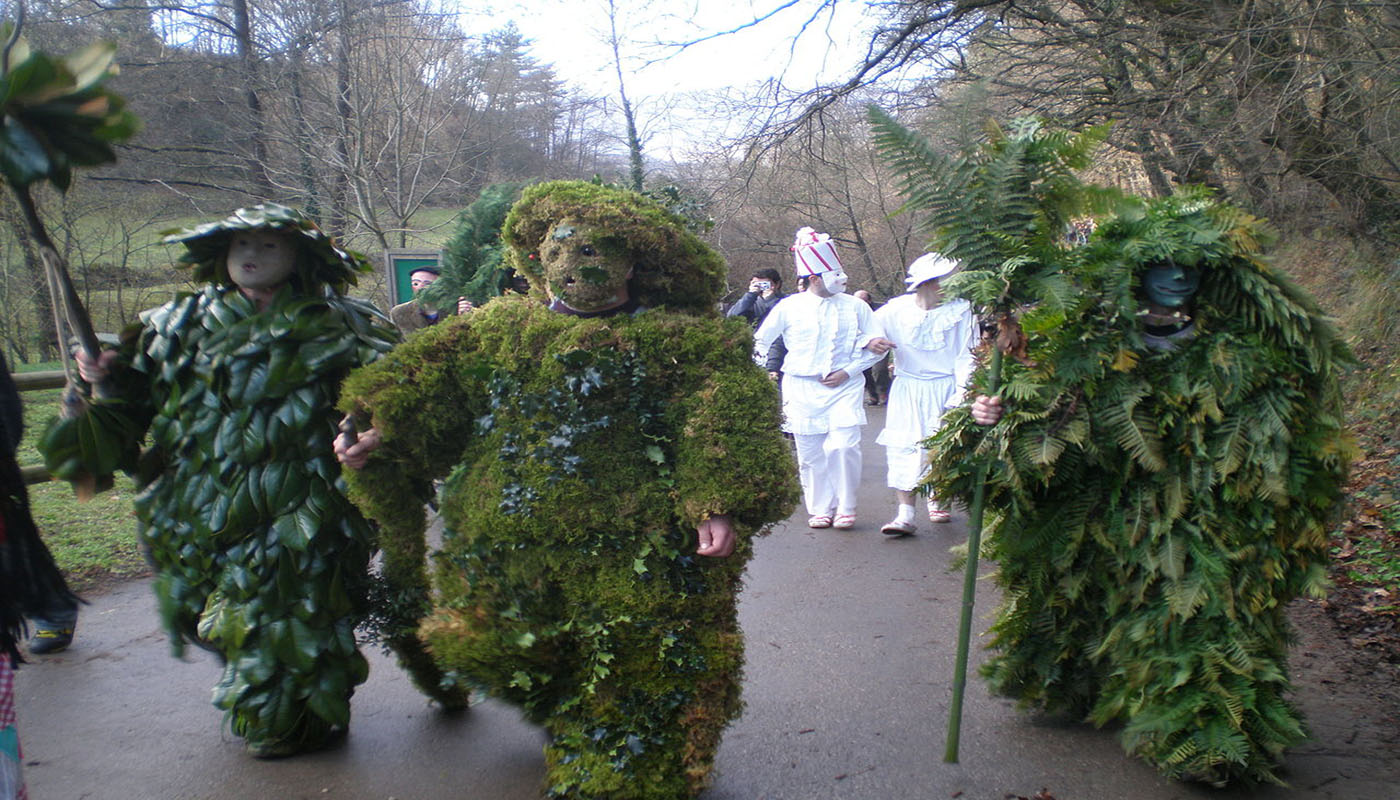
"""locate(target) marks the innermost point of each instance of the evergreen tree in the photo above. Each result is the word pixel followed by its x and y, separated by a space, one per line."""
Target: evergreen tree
pixel 472 261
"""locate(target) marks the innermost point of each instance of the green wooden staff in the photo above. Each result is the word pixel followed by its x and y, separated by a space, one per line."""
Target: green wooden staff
pixel 974 544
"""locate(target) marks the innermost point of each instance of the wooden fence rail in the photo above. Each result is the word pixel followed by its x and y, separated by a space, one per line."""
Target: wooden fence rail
pixel 30 382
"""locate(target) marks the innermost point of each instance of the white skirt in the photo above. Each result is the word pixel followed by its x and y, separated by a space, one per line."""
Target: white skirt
pixel 916 409
pixel 809 407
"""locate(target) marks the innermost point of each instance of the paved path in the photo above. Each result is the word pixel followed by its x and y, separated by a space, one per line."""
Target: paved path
pixel 850 640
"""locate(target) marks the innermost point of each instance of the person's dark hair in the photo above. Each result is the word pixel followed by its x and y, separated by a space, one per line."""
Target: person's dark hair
pixel 769 275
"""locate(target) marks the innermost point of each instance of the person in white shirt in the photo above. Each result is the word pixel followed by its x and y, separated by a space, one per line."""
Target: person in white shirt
pixel 933 343
pixel 826 333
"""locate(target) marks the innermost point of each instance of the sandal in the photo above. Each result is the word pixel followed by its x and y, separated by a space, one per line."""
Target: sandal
pixel 939 515
pixel 819 521
pixel 897 528
pixel 844 521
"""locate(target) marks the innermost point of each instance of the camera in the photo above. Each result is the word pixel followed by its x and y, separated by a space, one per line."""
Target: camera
pixel 764 286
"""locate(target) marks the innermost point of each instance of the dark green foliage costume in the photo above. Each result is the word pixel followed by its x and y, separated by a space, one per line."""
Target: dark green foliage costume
pixel 258 554
pixel 1154 500
pixel 1153 509
pixel 585 451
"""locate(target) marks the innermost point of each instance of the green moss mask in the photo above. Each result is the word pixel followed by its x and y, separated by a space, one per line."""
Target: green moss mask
pixel 669 265
pixel 586 269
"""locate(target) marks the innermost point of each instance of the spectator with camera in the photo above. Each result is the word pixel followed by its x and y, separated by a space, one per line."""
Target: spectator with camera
pixel 765 290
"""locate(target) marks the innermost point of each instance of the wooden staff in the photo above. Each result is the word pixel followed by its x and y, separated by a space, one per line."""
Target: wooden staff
pixel 64 295
pixel 974 545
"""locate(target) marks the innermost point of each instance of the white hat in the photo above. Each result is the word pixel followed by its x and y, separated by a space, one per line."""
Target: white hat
pixel 929 266
pixel 813 253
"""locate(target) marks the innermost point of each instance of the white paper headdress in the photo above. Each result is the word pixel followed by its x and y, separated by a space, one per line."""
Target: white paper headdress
pixel 813 253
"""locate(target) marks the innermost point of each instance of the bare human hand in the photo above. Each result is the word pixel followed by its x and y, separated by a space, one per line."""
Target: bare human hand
pixel 95 370
pixel 880 345
pixel 356 455
pixel 716 537
pixel 464 305
pixel 834 379
pixel 986 410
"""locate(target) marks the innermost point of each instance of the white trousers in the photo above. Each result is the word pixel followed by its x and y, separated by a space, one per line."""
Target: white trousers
pixel 828 464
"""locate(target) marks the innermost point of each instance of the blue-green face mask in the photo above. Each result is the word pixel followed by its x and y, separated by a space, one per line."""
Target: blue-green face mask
pixel 1171 285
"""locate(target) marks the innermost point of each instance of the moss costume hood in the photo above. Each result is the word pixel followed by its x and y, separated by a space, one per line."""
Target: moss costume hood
pixel 672 267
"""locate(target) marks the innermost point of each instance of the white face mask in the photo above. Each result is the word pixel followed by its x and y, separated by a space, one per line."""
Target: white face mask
pixel 261 259
pixel 834 282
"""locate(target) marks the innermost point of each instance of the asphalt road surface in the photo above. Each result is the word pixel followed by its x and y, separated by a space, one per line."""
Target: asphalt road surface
pixel 851 642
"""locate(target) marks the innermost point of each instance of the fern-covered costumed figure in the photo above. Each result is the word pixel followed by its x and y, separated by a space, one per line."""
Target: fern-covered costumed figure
pixel 259 556
pixel 604 440
pixel 1167 466
pixel 1170 451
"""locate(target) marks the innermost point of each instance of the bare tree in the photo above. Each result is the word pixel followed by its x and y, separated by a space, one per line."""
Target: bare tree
pixel 1249 96
pixel 634 142
pixel 29 284
pixel 830 179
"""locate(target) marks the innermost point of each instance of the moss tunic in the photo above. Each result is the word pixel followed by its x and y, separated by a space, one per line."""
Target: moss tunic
pixel 585 452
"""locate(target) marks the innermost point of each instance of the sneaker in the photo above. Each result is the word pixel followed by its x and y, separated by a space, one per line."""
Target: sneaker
pixel 49 638
pixel 897 528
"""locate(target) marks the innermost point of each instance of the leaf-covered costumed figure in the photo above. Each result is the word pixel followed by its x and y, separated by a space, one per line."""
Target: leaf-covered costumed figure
pixel 1162 477
pixel 590 434
pixel 258 554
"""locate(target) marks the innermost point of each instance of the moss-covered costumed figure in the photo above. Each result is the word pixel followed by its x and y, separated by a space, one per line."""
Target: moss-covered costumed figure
pixel 604 439
pixel 259 556
pixel 1165 466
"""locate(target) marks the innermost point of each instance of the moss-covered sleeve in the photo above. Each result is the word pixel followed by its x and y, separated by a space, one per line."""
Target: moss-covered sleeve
pixel 420 397
pixel 731 456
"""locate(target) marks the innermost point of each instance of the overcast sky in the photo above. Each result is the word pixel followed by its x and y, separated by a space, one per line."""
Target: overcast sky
pixel 572 35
